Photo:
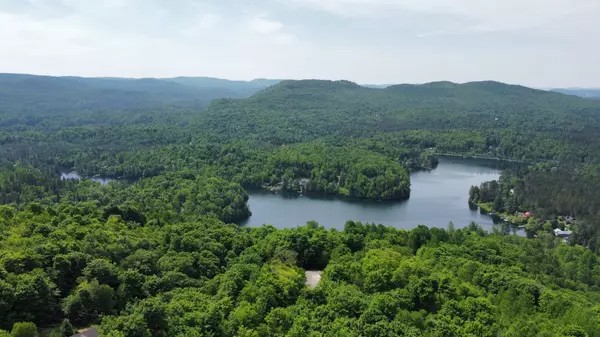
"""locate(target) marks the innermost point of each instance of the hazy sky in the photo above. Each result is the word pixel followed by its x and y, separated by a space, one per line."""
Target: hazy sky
pixel 542 43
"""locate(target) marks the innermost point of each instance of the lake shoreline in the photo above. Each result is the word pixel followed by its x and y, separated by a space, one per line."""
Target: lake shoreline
pixel 438 196
pixel 456 155
pixel 318 196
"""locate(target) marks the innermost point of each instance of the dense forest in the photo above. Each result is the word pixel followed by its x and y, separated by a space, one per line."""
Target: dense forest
pixel 153 253
pixel 550 193
pixel 74 263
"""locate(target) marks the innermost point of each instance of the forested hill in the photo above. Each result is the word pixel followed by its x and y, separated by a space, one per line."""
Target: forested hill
pixel 497 115
pixel 45 94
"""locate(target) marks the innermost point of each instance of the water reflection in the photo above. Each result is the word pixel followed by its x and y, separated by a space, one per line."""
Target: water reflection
pixel 438 197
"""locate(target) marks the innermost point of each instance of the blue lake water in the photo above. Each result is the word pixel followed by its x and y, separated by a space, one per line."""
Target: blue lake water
pixel 437 197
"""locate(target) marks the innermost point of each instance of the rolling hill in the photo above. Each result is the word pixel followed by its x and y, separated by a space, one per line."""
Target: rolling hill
pixel 480 118
pixel 20 93
pixel 294 111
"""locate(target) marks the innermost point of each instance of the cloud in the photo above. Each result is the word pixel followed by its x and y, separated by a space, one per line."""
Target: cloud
pixel 270 29
pixel 263 25
pixel 204 24
pixel 544 43
pixel 475 16
pixel 146 38
pixel 35 8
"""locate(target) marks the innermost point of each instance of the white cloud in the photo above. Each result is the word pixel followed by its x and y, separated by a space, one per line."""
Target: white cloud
pixel 263 25
pixel 534 42
pixel 204 24
pixel 488 15
pixel 270 29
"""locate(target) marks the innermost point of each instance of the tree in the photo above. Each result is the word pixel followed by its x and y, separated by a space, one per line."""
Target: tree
pixel 24 329
pixel 474 194
pixel 418 237
pixel 88 301
pixel 378 267
pixel 103 271
pixel 573 331
pixel 179 262
pixel 35 297
pixel 68 267
pixel 20 262
pixel 66 329
pixel 511 205
pixel 132 286
pixel 153 311
pixel 498 203
pixel 7 299
pixel 424 291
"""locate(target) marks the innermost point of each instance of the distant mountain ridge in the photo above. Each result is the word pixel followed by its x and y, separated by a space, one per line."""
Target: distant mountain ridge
pixel 581 92
pixel 33 93
pixel 317 107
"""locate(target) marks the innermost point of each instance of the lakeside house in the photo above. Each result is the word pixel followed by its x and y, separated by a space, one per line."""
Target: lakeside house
pixel 562 234
pixel 88 333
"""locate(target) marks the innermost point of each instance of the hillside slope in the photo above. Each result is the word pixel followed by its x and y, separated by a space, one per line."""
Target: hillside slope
pixel 296 111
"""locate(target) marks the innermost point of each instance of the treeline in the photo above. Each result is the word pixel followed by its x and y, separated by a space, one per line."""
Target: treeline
pixel 129 278
pixel 314 167
pixel 20 184
pixel 185 196
pixel 174 197
pixel 549 191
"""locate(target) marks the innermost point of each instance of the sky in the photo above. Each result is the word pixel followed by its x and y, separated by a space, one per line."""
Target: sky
pixel 539 43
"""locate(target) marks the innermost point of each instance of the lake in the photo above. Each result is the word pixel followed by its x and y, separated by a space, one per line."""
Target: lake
pixel 437 197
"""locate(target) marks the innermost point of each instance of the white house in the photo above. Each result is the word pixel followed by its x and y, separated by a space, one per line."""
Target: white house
pixel 562 234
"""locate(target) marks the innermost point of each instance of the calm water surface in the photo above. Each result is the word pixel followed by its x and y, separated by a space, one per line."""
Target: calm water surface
pixel 437 197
